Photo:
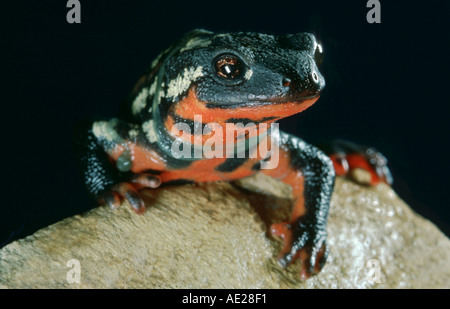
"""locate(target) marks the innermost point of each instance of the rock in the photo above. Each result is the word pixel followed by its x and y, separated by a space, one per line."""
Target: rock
pixel 214 236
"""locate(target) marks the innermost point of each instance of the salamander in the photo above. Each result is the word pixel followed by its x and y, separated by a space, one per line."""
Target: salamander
pixel 173 124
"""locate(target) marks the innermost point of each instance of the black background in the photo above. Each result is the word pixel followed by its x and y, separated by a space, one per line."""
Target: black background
pixel 387 87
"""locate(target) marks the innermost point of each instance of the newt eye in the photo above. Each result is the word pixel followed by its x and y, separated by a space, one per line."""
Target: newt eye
pixel 229 67
pixel 318 54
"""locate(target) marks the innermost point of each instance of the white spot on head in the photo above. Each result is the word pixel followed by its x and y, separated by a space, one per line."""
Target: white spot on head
pixel 153 86
pixel 159 96
pixel 196 43
pixel 183 81
pixel 152 90
pixel 140 101
pixel 149 131
pixel 105 130
pixel 133 133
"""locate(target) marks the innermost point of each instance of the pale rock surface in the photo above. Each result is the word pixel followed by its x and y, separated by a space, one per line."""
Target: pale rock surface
pixel 214 236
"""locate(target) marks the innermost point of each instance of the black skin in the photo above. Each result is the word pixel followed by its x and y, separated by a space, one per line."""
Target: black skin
pixel 284 69
pixel 311 230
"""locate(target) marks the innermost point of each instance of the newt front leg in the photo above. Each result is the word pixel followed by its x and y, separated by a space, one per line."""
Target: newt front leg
pixel 311 175
pixel 107 162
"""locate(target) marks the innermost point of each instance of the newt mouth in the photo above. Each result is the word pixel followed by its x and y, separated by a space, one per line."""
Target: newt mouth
pixel 279 107
pixel 260 103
